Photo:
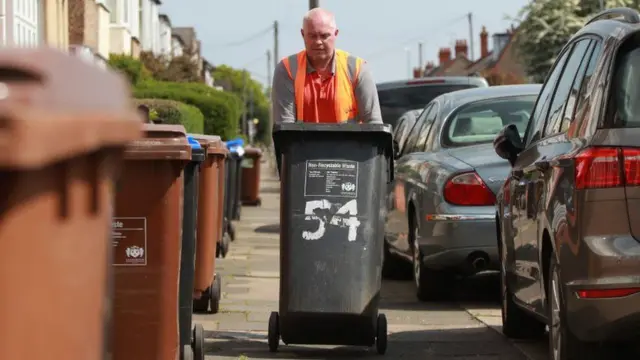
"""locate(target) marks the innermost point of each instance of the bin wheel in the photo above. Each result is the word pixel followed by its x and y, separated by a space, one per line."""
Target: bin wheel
pixel 224 246
pixel 202 305
pixel 187 353
pixel 215 293
pixel 231 231
pixel 381 334
pixel 198 342
pixel 259 202
pixel 274 331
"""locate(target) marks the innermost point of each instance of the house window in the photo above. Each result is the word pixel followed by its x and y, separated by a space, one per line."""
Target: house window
pixel 26 22
pixel 113 10
pixel 126 10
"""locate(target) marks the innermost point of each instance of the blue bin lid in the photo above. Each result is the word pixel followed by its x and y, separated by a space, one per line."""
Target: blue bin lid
pixel 193 142
pixel 235 143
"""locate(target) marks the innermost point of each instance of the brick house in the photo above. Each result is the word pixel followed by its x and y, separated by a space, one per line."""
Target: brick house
pixel 499 64
pixel 448 66
pixel 89 28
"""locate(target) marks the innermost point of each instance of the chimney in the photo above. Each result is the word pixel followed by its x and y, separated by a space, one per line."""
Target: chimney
pixel 444 56
pixel 462 49
pixel 429 67
pixel 417 73
pixel 484 42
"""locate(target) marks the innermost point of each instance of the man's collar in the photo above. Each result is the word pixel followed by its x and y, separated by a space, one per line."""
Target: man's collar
pixel 310 68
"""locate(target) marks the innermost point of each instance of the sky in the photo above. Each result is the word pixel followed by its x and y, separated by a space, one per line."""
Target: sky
pixel 385 33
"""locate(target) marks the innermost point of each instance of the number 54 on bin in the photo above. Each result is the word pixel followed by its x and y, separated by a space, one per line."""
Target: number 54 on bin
pixel 320 211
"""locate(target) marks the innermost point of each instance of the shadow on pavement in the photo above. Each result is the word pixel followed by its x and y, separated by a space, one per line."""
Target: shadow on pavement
pixel 270 190
pixel 268 229
pixel 460 343
pixel 401 294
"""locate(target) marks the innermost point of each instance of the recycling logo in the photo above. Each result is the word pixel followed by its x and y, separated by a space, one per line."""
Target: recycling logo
pixel 350 187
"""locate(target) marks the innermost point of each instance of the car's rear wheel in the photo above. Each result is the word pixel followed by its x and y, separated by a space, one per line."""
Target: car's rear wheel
pixel 393 266
pixel 431 285
pixel 516 322
pixel 563 345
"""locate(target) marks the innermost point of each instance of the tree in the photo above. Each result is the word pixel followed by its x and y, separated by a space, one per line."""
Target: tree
pixel 545 26
pixel 242 84
pixel 588 8
pixel 154 63
pixel 183 68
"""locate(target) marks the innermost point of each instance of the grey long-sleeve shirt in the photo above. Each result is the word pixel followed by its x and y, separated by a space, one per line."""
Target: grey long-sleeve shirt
pixel 284 103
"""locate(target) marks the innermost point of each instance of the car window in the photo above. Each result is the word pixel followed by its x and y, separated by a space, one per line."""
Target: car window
pixel 412 137
pixel 572 74
pixel 480 121
pixel 626 88
pixel 544 99
pixel 400 125
pixel 426 129
pixel 405 132
pixel 396 101
pixel 583 102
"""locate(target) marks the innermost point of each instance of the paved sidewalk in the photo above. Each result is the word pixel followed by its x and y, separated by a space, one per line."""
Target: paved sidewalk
pixel 250 293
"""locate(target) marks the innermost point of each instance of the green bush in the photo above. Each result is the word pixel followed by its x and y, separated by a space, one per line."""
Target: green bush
pixel 221 111
pixel 175 112
pixel 133 68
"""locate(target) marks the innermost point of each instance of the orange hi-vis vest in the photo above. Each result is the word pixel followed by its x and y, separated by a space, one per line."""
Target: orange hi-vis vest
pixel 347 69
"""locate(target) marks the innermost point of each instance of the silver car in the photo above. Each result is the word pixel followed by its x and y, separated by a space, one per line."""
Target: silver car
pixel 441 212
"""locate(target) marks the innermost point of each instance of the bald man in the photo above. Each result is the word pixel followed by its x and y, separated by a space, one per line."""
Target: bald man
pixel 322 84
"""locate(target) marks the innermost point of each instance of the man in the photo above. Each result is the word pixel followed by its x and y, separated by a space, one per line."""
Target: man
pixel 322 84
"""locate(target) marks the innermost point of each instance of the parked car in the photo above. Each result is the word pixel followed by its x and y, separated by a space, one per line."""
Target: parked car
pixel 398 97
pixel 441 205
pixel 568 216
pixel 403 126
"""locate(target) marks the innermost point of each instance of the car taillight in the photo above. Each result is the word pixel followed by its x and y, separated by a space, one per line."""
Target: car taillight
pixel 606 167
pixel 468 189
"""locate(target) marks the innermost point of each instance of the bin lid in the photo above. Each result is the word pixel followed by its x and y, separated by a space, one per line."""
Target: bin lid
pixel 161 142
pixel 375 134
pixel 328 127
pixel 56 106
pixel 212 143
pixel 193 142
pixel 253 152
pixel 235 142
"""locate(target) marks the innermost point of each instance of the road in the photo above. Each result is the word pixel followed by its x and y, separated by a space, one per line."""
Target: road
pixel 467 328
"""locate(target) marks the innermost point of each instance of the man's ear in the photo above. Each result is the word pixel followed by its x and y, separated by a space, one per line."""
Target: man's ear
pixel 337 31
pixel 302 33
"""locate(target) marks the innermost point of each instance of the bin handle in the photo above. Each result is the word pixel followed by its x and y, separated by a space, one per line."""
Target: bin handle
pixel 16 74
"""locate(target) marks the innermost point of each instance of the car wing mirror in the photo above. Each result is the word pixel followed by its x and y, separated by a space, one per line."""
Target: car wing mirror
pixel 508 144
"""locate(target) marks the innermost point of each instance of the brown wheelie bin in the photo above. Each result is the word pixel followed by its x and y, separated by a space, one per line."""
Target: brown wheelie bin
pixel 251 177
pixel 64 126
pixel 207 284
pixel 147 230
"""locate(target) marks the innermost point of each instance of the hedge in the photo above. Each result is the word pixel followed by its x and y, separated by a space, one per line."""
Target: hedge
pixel 221 110
pixel 175 112
pixel 131 67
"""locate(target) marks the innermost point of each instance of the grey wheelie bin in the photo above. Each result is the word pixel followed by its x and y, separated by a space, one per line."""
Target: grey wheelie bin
pixel 193 336
pixel 232 205
pixel 333 180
